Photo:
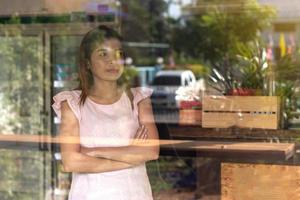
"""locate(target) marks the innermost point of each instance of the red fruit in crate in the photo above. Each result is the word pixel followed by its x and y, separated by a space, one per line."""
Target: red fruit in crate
pixel 242 92
pixel 190 104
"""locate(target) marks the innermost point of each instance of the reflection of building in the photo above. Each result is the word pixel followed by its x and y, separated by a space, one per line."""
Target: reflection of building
pixel 287 11
pixel 51 7
pixel 285 30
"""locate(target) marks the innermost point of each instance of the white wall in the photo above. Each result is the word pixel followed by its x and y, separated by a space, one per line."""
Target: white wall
pixel 287 9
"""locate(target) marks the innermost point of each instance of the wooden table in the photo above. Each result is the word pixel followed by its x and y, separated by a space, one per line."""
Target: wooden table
pixel 215 146
pixel 211 148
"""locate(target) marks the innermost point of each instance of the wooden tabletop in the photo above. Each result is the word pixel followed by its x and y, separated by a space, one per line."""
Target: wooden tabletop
pixel 221 149
pixel 197 132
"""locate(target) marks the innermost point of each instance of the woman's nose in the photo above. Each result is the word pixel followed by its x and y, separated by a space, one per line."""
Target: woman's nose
pixel 115 60
pixel 112 59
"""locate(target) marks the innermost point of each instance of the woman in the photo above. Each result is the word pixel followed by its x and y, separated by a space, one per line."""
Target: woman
pixel 107 132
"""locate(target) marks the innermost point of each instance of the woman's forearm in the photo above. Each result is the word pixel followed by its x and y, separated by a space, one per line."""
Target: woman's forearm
pixel 80 163
pixel 130 154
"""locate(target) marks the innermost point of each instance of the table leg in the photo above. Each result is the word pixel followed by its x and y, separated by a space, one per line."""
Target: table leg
pixel 208 177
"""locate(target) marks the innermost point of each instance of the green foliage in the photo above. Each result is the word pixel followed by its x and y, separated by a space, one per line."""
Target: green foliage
pixel 63 18
pixel 143 21
pixel 199 70
pixel 21 103
pixel 165 172
pixel 253 65
pixel 158 26
pixel 133 26
pixel 227 29
pixel 250 70
pixel 21 175
pixel 222 33
pixel 287 68
pixel 215 35
pixel 21 83
pixel 155 169
pixel 287 80
pixel 128 77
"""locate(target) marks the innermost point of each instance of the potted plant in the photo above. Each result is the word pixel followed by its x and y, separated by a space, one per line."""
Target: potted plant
pixel 247 76
pixel 252 66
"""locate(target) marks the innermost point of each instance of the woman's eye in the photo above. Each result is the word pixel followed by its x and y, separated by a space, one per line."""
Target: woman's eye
pixel 103 54
pixel 119 54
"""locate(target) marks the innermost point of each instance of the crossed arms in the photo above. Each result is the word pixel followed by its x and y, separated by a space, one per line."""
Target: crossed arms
pixel 75 158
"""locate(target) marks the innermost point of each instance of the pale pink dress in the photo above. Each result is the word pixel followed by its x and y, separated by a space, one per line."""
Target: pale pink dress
pixel 110 125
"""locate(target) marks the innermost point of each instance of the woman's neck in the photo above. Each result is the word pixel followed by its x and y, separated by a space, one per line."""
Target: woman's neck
pixel 105 90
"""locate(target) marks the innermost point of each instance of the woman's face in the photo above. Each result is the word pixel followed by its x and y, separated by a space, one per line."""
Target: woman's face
pixel 106 61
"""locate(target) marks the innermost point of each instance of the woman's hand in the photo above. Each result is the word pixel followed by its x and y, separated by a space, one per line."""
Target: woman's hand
pixel 141 136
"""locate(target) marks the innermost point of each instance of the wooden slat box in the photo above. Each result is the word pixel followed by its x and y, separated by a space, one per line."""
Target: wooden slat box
pixel 241 111
pixel 258 181
pixel 190 117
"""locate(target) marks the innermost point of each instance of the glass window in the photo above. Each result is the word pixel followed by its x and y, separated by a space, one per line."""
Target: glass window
pixel 238 124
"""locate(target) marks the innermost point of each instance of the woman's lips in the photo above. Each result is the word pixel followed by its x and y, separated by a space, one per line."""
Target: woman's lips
pixel 112 71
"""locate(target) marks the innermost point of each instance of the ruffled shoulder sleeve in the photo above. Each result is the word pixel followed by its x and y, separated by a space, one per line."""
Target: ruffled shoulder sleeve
pixel 140 93
pixel 72 97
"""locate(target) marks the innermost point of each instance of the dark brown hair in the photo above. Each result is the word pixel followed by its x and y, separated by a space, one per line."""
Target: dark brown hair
pixel 89 43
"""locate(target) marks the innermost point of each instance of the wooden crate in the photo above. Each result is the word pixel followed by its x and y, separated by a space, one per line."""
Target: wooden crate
pixel 241 111
pixel 258 181
pixel 190 117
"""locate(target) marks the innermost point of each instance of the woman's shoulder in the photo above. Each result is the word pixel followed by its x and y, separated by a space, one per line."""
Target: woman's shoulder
pixel 142 90
pixel 68 94
pixel 141 93
pixel 72 97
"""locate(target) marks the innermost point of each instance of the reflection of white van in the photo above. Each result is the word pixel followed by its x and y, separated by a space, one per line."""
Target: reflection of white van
pixel 165 84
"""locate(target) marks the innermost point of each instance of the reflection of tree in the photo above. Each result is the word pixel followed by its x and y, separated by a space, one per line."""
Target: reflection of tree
pixel 287 81
pixel 215 34
pixel 7 117
pixel 21 84
pixel 21 175
pixel 144 21
pixel 21 100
